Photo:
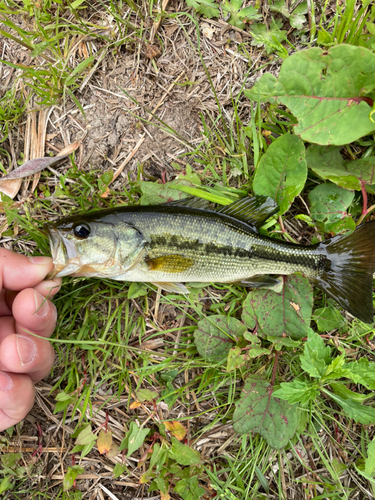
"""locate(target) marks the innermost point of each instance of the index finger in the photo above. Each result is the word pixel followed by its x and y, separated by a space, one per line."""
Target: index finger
pixel 18 271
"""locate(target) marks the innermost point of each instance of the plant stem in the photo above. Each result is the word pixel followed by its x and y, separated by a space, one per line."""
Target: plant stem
pixel 364 194
pixel 274 369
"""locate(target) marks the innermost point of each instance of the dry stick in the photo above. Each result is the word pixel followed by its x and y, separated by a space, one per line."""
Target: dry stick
pixel 127 159
pixel 157 24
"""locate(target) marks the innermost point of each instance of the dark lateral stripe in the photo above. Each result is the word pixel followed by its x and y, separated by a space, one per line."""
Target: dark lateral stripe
pixel 177 243
pixel 270 252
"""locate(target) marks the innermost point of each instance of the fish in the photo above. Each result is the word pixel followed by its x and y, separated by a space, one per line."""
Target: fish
pixel 179 242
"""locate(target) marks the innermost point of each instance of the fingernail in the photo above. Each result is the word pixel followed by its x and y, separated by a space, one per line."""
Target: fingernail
pixel 40 260
pixel 41 304
pixel 5 382
pixel 26 349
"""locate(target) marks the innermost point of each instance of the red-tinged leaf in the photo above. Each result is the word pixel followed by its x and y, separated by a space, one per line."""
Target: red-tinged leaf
pixel 259 411
pixel 104 442
pixel 31 167
pixel 71 476
pixel 176 429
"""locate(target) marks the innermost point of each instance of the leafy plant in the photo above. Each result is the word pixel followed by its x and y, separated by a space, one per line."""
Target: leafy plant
pixel 326 91
pixel 326 371
pixel 239 15
pixel 296 16
pixel 207 8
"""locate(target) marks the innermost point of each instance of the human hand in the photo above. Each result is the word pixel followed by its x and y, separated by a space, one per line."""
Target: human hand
pixel 24 359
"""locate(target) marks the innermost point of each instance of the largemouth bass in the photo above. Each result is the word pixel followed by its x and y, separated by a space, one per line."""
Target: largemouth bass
pixel 172 243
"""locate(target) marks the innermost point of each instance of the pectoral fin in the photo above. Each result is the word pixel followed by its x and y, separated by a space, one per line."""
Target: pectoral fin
pixel 171 287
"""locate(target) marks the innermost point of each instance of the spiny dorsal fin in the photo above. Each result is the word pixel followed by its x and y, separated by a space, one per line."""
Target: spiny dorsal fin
pixel 190 201
pixel 253 211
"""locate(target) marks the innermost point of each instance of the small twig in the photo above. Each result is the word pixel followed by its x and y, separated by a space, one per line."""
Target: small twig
pixel 158 22
pixel 127 159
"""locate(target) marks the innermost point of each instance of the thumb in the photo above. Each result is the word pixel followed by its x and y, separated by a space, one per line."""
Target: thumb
pixel 18 271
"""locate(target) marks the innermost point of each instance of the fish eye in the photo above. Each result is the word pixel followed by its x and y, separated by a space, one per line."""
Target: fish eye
pixel 82 230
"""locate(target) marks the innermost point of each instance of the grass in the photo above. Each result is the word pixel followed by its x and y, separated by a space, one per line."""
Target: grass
pixel 112 342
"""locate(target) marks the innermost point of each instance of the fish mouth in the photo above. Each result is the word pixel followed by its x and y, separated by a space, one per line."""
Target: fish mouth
pixel 64 254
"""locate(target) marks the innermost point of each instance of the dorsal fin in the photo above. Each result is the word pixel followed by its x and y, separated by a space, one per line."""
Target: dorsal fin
pixel 253 211
pixel 190 201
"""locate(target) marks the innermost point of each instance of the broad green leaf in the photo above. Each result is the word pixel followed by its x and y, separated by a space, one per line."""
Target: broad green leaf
pixel 297 18
pixel 146 395
pixel 297 392
pixel 86 436
pixel 207 8
pixel 328 318
pixel 361 372
pixel 10 459
pixel 341 390
pixel 6 484
pixel 161 484
pixel 329 164
pixel 259 411
pixel 76 4
pixel 359 413
pixel 282 171
pixel 235 359
pixel 215 336
pixel 137 289
pixel 370 460
pixel 183 454
pixel 334 366
pixel 297 21
pixel 316 355
pixel 285 314
pixel 280 6
pixel 253 349
pixel 158 457
pixel 325 91
pixel 155 194
pixel 239 15
pixel 329 204
pixel 189 488
pixel 118 470
pixel 71 476
pixel 280 342
pixel 136 437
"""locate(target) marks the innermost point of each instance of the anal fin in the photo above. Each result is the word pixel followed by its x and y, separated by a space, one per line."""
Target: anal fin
pixel 171 287
pixel 259 281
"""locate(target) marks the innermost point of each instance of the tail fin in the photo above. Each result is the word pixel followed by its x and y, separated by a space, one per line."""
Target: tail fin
pixel 348 268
